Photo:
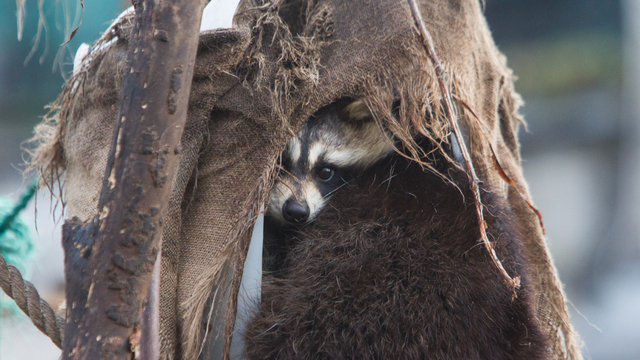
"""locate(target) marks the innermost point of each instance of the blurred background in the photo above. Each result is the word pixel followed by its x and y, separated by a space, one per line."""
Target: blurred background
pixel 578 63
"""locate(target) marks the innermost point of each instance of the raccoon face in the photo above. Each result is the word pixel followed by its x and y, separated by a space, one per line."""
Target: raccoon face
pixel 335 144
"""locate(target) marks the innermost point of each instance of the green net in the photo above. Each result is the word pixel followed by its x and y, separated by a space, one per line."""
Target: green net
pixel 16 240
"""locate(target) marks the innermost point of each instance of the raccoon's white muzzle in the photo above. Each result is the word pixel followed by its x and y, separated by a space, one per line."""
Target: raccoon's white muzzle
pixel 295 201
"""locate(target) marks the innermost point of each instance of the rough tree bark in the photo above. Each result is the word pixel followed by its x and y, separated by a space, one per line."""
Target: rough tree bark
pixel 109 259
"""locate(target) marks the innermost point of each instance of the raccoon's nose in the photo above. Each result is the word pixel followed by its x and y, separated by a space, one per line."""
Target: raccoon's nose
pixel 294 212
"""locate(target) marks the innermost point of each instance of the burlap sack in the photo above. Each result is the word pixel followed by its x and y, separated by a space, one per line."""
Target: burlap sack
pixel 253 87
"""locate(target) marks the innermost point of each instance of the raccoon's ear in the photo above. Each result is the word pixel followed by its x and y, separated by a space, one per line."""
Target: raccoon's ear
pixel 358 111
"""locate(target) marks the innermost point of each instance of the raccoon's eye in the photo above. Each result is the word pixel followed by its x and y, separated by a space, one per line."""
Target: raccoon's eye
pixel 325 174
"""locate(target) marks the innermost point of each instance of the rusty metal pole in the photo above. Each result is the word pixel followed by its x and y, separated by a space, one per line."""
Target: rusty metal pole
pixel 109 259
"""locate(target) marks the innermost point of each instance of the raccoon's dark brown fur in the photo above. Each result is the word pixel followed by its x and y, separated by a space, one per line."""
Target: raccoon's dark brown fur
pixel 392 269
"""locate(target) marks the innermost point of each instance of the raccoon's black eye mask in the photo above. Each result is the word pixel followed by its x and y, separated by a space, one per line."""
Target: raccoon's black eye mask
pixel 329 178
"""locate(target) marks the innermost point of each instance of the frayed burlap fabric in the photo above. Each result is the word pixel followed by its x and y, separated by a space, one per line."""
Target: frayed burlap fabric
pixel 254 85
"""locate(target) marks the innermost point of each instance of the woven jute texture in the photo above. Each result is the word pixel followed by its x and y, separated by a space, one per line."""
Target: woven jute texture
pixel 254 85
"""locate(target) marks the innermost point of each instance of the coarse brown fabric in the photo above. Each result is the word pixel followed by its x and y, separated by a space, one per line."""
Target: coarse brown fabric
pixel 254 85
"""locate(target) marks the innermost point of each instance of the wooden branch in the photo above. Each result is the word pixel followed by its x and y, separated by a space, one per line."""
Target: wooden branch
pixel 427 42
pixel 116 251
pixel 150 340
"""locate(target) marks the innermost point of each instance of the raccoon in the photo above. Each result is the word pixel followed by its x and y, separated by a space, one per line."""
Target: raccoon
pixel 337 142
pixel 392 268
